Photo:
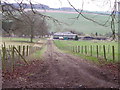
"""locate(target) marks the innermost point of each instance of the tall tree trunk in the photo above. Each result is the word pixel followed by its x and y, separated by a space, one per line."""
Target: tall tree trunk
pixel 31 39
pixel 31 34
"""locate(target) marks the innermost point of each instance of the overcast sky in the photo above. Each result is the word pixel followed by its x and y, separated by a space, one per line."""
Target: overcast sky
pixel 91 5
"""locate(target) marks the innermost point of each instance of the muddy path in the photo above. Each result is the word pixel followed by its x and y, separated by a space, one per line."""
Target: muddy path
pixel 61 70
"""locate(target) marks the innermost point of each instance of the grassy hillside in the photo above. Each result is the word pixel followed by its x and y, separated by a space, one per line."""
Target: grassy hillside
pixel 81 25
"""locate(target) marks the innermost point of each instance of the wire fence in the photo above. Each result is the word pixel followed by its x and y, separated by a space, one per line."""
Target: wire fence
pixel 106 52
pixel 11 54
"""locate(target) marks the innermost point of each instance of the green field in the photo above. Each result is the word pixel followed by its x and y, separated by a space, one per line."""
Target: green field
pixel 67 46
pixel 80 25
pixel 16 41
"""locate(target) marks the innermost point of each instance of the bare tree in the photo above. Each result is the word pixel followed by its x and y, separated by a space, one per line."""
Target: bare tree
pixel 29 24
pixel 10 10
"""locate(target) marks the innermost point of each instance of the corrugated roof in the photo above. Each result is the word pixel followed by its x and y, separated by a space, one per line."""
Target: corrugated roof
pixel 64 33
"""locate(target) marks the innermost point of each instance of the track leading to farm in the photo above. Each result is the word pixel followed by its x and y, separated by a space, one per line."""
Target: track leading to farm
pixel 59 69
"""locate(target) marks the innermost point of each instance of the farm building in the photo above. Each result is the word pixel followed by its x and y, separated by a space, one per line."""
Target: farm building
pixel 64 35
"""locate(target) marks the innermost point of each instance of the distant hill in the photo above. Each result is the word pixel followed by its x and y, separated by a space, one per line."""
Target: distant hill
pixel 42 6
pixel 28 6
pixel 66 9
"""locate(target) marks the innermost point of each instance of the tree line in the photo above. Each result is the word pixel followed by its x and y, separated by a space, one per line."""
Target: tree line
pixel 27 25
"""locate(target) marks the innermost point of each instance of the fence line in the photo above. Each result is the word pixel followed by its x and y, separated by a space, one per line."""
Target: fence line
pixel 98 51
pixel 11 53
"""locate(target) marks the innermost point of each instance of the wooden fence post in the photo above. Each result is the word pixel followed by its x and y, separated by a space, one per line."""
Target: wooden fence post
pixel 13 57
pixel 113 53
pixel 104 50
pixel 78 49
pixel 3 58
pixel 91 49
pixel 4 45
pixel 97 51
pixel 85 49
pixel 19 49
pixel 23 52
pixel 27 51
pixel 82 49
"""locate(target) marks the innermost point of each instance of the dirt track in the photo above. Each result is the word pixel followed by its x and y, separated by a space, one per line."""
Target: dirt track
pixel 62 70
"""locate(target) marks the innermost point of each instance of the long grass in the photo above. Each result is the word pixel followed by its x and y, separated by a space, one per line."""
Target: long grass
pixel 38 55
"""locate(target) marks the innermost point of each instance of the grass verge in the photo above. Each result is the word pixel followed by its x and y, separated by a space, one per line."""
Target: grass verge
pixel 66 47
pixel 37 55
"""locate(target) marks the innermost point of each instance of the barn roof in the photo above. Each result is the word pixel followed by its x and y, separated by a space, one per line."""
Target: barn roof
pixel 65 33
